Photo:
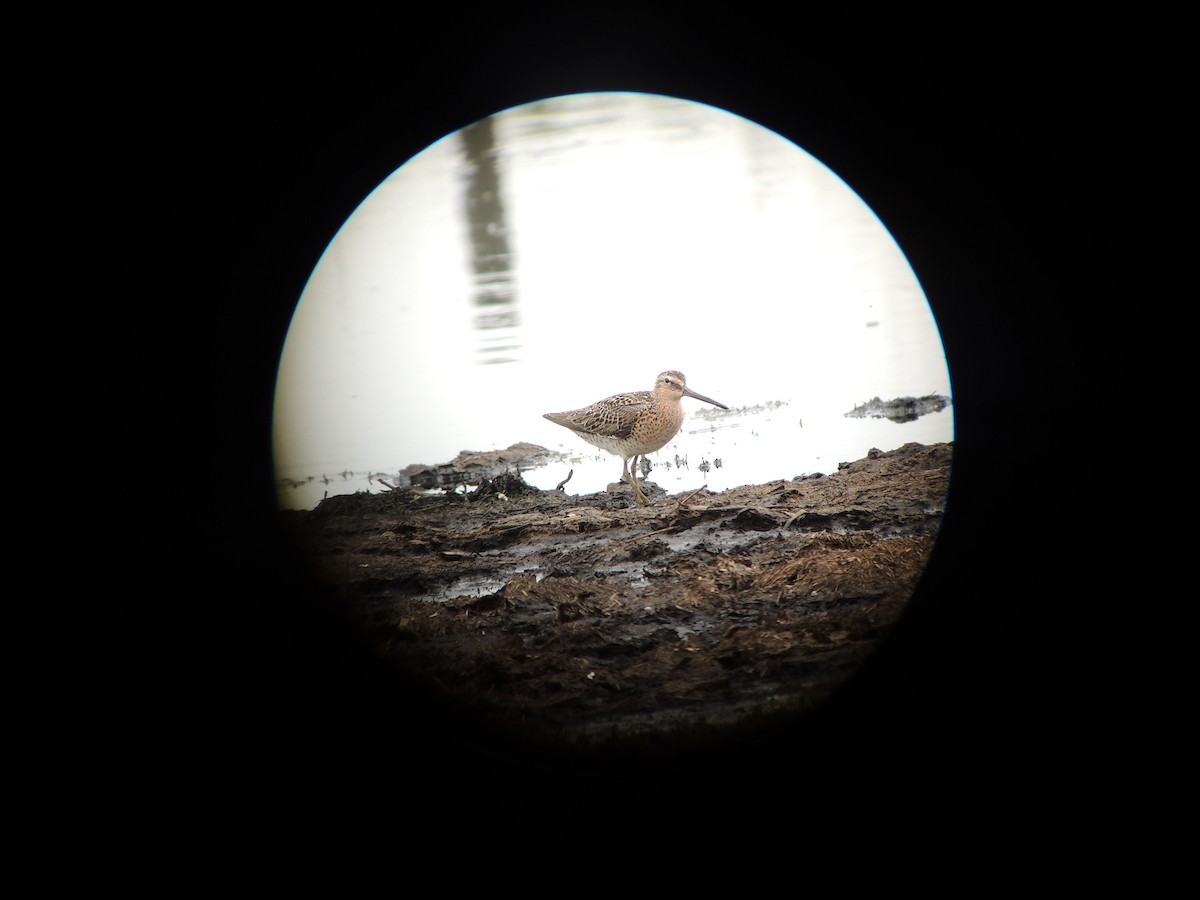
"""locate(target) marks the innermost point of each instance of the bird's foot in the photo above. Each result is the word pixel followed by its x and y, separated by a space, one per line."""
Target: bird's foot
pixel 637 491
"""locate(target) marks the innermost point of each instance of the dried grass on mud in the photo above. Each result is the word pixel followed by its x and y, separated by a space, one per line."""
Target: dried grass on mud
pixel 592 622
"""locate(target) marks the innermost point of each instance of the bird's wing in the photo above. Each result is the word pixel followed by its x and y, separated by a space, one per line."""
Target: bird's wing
pixel 613 417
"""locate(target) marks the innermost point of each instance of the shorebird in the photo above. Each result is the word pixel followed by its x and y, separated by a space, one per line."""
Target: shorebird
pixel 634 424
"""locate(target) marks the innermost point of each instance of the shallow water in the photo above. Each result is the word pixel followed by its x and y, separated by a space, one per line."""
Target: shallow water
pixel 571 249
pixel 719 449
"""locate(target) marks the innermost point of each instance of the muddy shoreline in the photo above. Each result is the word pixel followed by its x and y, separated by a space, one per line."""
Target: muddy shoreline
pixel 590 624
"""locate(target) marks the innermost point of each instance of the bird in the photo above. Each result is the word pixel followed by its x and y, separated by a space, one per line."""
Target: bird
pixel 633 424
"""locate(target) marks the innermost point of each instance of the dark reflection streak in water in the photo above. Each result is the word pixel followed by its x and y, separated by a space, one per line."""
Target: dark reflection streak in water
pixel 494 291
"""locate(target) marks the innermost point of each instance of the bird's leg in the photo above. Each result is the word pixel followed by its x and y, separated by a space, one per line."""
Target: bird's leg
pixel 637 488
pixel 629 473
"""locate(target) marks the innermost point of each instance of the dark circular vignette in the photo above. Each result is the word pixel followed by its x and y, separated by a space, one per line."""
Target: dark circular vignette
pixel 243 653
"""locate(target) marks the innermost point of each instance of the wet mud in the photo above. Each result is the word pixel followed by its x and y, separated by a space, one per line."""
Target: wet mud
pixel 596 624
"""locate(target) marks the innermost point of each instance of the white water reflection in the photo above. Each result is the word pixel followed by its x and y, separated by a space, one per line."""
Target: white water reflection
pixel 626 234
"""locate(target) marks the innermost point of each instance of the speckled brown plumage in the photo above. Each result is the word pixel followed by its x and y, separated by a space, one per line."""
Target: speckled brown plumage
pixel 633 424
